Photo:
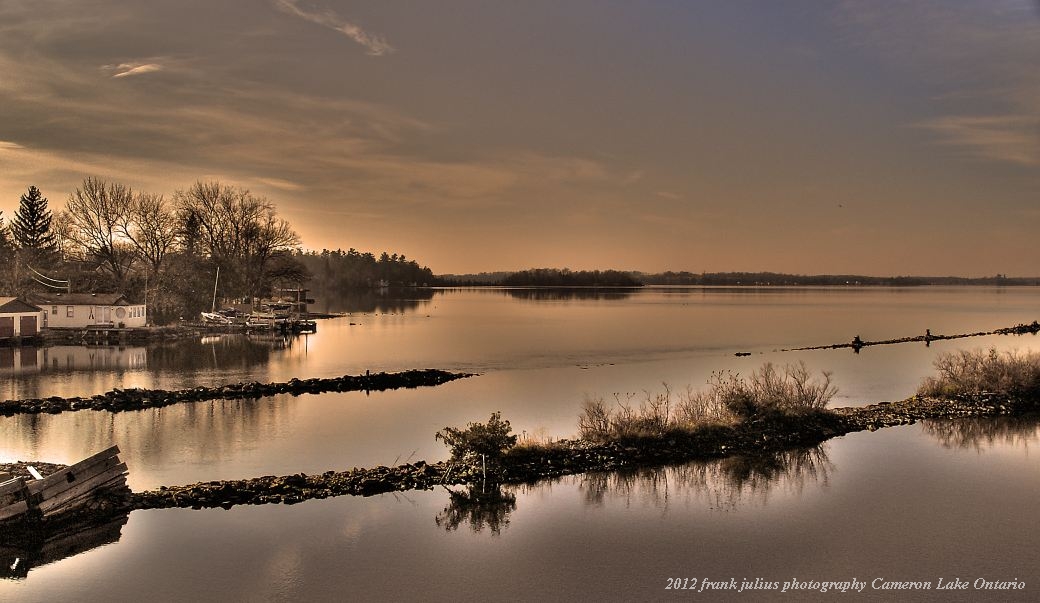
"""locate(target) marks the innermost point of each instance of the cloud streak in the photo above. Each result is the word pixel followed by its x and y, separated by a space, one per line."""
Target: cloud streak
pixel 1007 138
pixel 132 69
pixel 374 44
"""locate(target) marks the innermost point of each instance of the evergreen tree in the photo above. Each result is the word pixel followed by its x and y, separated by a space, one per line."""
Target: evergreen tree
pixel 7 263
pixel 31 226
pixel 5 242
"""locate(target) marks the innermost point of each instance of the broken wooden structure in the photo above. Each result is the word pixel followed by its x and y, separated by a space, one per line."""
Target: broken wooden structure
pixel 76 489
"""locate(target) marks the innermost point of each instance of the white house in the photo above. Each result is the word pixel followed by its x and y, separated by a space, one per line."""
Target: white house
pixel 19 318
pixel 80 310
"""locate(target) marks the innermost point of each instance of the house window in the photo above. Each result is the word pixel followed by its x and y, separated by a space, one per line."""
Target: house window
pixel 70 311
pixel 54 310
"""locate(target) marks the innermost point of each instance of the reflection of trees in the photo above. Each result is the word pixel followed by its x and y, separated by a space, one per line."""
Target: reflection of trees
pixel 980 433
pixel 724 483
pixel 541 294
pixel 225 351
pixel 479 508
pixel 381 301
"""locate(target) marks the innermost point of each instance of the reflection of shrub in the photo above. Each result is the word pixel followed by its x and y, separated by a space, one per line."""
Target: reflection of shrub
pixel 478 508
pixel 489 440
pixel 728 399
pixel 969 373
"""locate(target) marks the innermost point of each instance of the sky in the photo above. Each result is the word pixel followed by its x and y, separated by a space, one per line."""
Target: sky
pixel 878 138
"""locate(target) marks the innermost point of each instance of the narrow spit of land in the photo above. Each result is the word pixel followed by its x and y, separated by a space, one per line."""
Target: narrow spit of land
pixel 119 400
pixel 529 463
pixel 856 343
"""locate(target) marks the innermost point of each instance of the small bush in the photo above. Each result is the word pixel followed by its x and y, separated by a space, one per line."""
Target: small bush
pixel 973 372
pixel 728 399
pixel 490 440
pixel 768 390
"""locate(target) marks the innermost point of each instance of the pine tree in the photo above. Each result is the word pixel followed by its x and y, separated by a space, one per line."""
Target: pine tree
pixel 31 226
pixel 5 241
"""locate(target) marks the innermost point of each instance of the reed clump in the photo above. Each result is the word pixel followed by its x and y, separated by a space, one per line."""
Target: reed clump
pixel 967 373
pixel 729 399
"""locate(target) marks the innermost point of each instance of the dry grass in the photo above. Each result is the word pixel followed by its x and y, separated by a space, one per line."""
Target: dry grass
pixel 974 372
pixel 728 399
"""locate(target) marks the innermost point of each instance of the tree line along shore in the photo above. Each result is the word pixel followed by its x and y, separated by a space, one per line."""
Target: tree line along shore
pixel 165 251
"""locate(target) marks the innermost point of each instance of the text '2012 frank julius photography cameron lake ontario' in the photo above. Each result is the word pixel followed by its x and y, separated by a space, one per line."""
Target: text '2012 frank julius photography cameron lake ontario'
pixel 316 300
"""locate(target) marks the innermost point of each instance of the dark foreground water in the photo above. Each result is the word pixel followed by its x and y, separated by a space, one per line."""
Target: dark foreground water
pixel 919 503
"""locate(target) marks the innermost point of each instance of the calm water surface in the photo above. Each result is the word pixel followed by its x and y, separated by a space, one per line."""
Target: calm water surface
pixel 913 503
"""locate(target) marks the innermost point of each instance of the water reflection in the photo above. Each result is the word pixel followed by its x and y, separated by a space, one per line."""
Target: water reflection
pixel 724 484
pixel 22 552
pixel 218 351
pixel 373 301
pixel 984 432
pixel 479 507
pixel 221 351
pixel 599 294
pixel 170 445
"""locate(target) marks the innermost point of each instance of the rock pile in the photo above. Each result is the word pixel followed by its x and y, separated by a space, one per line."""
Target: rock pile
pixel 119 400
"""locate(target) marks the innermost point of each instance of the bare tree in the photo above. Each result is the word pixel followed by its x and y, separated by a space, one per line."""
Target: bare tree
pixel 97 211
pixel 241 232
pixel 64 243
pixel 151 226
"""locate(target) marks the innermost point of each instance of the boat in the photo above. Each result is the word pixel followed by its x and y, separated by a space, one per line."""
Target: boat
pixel 78 488
pixel 215 318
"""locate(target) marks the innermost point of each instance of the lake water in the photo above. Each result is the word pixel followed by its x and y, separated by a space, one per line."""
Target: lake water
pixel 914 503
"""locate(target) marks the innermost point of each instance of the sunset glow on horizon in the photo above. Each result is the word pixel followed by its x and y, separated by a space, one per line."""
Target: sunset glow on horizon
pixel 805 137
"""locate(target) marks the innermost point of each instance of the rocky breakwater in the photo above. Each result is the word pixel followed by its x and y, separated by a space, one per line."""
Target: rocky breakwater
pixel 119 400
pixel 918 408
pixel 527 463
pixel 290 489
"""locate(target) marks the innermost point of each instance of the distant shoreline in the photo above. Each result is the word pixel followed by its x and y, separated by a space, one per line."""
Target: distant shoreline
pixel 566 279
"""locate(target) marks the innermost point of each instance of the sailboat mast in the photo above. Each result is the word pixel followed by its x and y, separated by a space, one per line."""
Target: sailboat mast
pixel 213 308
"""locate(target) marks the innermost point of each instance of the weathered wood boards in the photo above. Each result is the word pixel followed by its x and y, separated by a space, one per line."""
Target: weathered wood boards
pixel 64 491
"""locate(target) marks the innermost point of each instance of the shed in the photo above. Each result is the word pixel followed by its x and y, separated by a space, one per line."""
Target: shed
pixel 19 318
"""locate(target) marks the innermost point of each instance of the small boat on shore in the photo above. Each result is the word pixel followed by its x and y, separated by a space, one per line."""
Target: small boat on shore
pixel 215 318
pixel 64 493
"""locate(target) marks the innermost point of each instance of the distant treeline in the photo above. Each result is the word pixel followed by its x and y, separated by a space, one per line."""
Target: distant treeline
pixel 353 269
pixel 552 277
pixel 778 279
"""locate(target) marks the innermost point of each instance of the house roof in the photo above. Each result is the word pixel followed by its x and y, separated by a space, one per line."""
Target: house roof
pixel 81 299
pixel 13 305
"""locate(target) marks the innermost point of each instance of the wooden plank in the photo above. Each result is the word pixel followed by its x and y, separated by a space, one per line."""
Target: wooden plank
pixel 90 460
pixel 62 476
pixel 15 485
pixel 33 472
pixel 12 497
pixel 4 476
pixel 42 490
pixel 14 510
pixel 73 499
pixel 114 478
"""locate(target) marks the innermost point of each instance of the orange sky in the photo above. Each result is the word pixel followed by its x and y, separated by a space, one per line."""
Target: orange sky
pixel 807 137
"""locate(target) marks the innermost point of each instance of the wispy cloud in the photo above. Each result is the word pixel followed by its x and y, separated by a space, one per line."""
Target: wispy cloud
pixel 130 69
pixel 374 44
pixel 980 57
pixel 1008 138
pixel 280 184
pixel 5 145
